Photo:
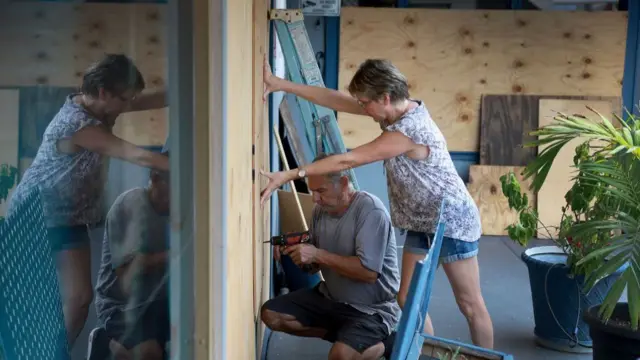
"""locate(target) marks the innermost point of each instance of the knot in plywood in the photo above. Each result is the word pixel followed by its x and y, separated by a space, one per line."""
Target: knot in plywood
pixel 152 16
pixel 94 44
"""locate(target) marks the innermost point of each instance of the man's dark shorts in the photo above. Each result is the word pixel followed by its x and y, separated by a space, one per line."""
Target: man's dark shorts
pixel 134 327
pixel 343 323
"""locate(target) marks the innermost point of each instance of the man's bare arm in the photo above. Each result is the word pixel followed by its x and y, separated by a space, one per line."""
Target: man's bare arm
pixel 348 266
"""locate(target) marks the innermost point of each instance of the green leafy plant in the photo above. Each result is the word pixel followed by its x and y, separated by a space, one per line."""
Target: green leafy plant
pixel 600 224
pixel 452 356
pixel 8 178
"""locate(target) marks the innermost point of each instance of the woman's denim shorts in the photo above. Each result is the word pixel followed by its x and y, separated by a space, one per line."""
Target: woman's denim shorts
pixel 452 249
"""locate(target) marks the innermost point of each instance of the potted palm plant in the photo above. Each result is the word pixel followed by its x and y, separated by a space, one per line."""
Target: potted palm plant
pixel 8 177
pixel 576 285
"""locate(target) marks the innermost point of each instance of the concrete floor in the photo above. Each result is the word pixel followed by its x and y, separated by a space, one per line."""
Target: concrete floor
pixel 505 286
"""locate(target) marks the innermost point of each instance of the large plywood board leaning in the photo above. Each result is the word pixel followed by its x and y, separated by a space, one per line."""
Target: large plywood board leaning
pixel 45 51
pixel 485 188
pixel 507 120
pixel 505 123
pixel 451 58
pixel 9 113
pixel 550 198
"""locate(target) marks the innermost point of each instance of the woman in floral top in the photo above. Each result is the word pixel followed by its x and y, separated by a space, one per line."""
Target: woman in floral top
pixel 69 170
pixel 420 174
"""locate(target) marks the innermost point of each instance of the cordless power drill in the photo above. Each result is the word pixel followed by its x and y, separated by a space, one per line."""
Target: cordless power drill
pixel 290 239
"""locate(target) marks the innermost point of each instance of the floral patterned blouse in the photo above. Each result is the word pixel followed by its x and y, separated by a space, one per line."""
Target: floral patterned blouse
pixel 417 187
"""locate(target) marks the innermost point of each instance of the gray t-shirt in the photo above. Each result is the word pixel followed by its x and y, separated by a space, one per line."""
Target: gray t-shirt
pixel 71 185
pixel 417 187
pixel 132 227
pixel 364 230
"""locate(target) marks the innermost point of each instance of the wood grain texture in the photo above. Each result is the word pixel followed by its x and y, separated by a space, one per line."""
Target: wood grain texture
pixel 261 160
pixel 240 330
pixel 45 51
pixel 505 123
pixel 9 127
pixel 550 198
pixel 485 188
pixel 507 120
pixel 451 58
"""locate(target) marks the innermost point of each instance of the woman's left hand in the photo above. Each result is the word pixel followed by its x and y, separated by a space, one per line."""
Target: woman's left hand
pixel 276 179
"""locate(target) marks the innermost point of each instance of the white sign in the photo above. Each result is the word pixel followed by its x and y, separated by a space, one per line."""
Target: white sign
pixel 321 7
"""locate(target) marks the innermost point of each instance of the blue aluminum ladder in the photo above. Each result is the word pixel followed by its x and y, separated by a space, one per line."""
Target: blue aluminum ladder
pixel 410 337
pixel 318 124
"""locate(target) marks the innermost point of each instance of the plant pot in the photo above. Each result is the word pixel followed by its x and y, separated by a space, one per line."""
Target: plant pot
pixel 613 340
pixel 559 300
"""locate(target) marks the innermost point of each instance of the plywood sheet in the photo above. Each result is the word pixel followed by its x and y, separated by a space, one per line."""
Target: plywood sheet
pixel 506 121
pixel 551 195
pixel 451 58
pixel 44 51
pixel 290 220
pixel 9 125
pixel 485 188
pixel 261 160
pixel 240 330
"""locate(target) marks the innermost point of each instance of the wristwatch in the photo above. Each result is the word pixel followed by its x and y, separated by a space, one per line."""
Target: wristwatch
pixel 301 173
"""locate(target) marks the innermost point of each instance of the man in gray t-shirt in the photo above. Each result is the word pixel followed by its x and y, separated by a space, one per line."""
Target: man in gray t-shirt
pixel 131 292
pixel 354 247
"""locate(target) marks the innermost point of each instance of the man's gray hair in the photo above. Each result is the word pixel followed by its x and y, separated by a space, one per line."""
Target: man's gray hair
pixel 335 176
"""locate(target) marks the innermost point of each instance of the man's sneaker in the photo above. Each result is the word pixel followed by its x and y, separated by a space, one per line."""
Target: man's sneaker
pixel 98 345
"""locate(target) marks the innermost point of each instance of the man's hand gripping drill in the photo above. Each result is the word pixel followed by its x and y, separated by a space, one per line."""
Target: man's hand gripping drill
pixel 296 245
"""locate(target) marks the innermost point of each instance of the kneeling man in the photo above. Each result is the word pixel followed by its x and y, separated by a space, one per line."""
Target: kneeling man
pixel 132 292
pixel 353 244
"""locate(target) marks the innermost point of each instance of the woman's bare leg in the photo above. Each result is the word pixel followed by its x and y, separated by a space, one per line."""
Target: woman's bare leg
pixel 464 277
pixel 74 276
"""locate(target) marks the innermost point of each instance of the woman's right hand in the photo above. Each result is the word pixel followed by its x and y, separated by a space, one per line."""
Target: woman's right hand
pixel 271 82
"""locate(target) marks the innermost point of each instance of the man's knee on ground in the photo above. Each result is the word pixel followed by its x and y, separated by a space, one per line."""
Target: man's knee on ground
pixel 274 320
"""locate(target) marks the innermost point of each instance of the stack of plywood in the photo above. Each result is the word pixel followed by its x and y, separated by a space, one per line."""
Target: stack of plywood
pixel 505 124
